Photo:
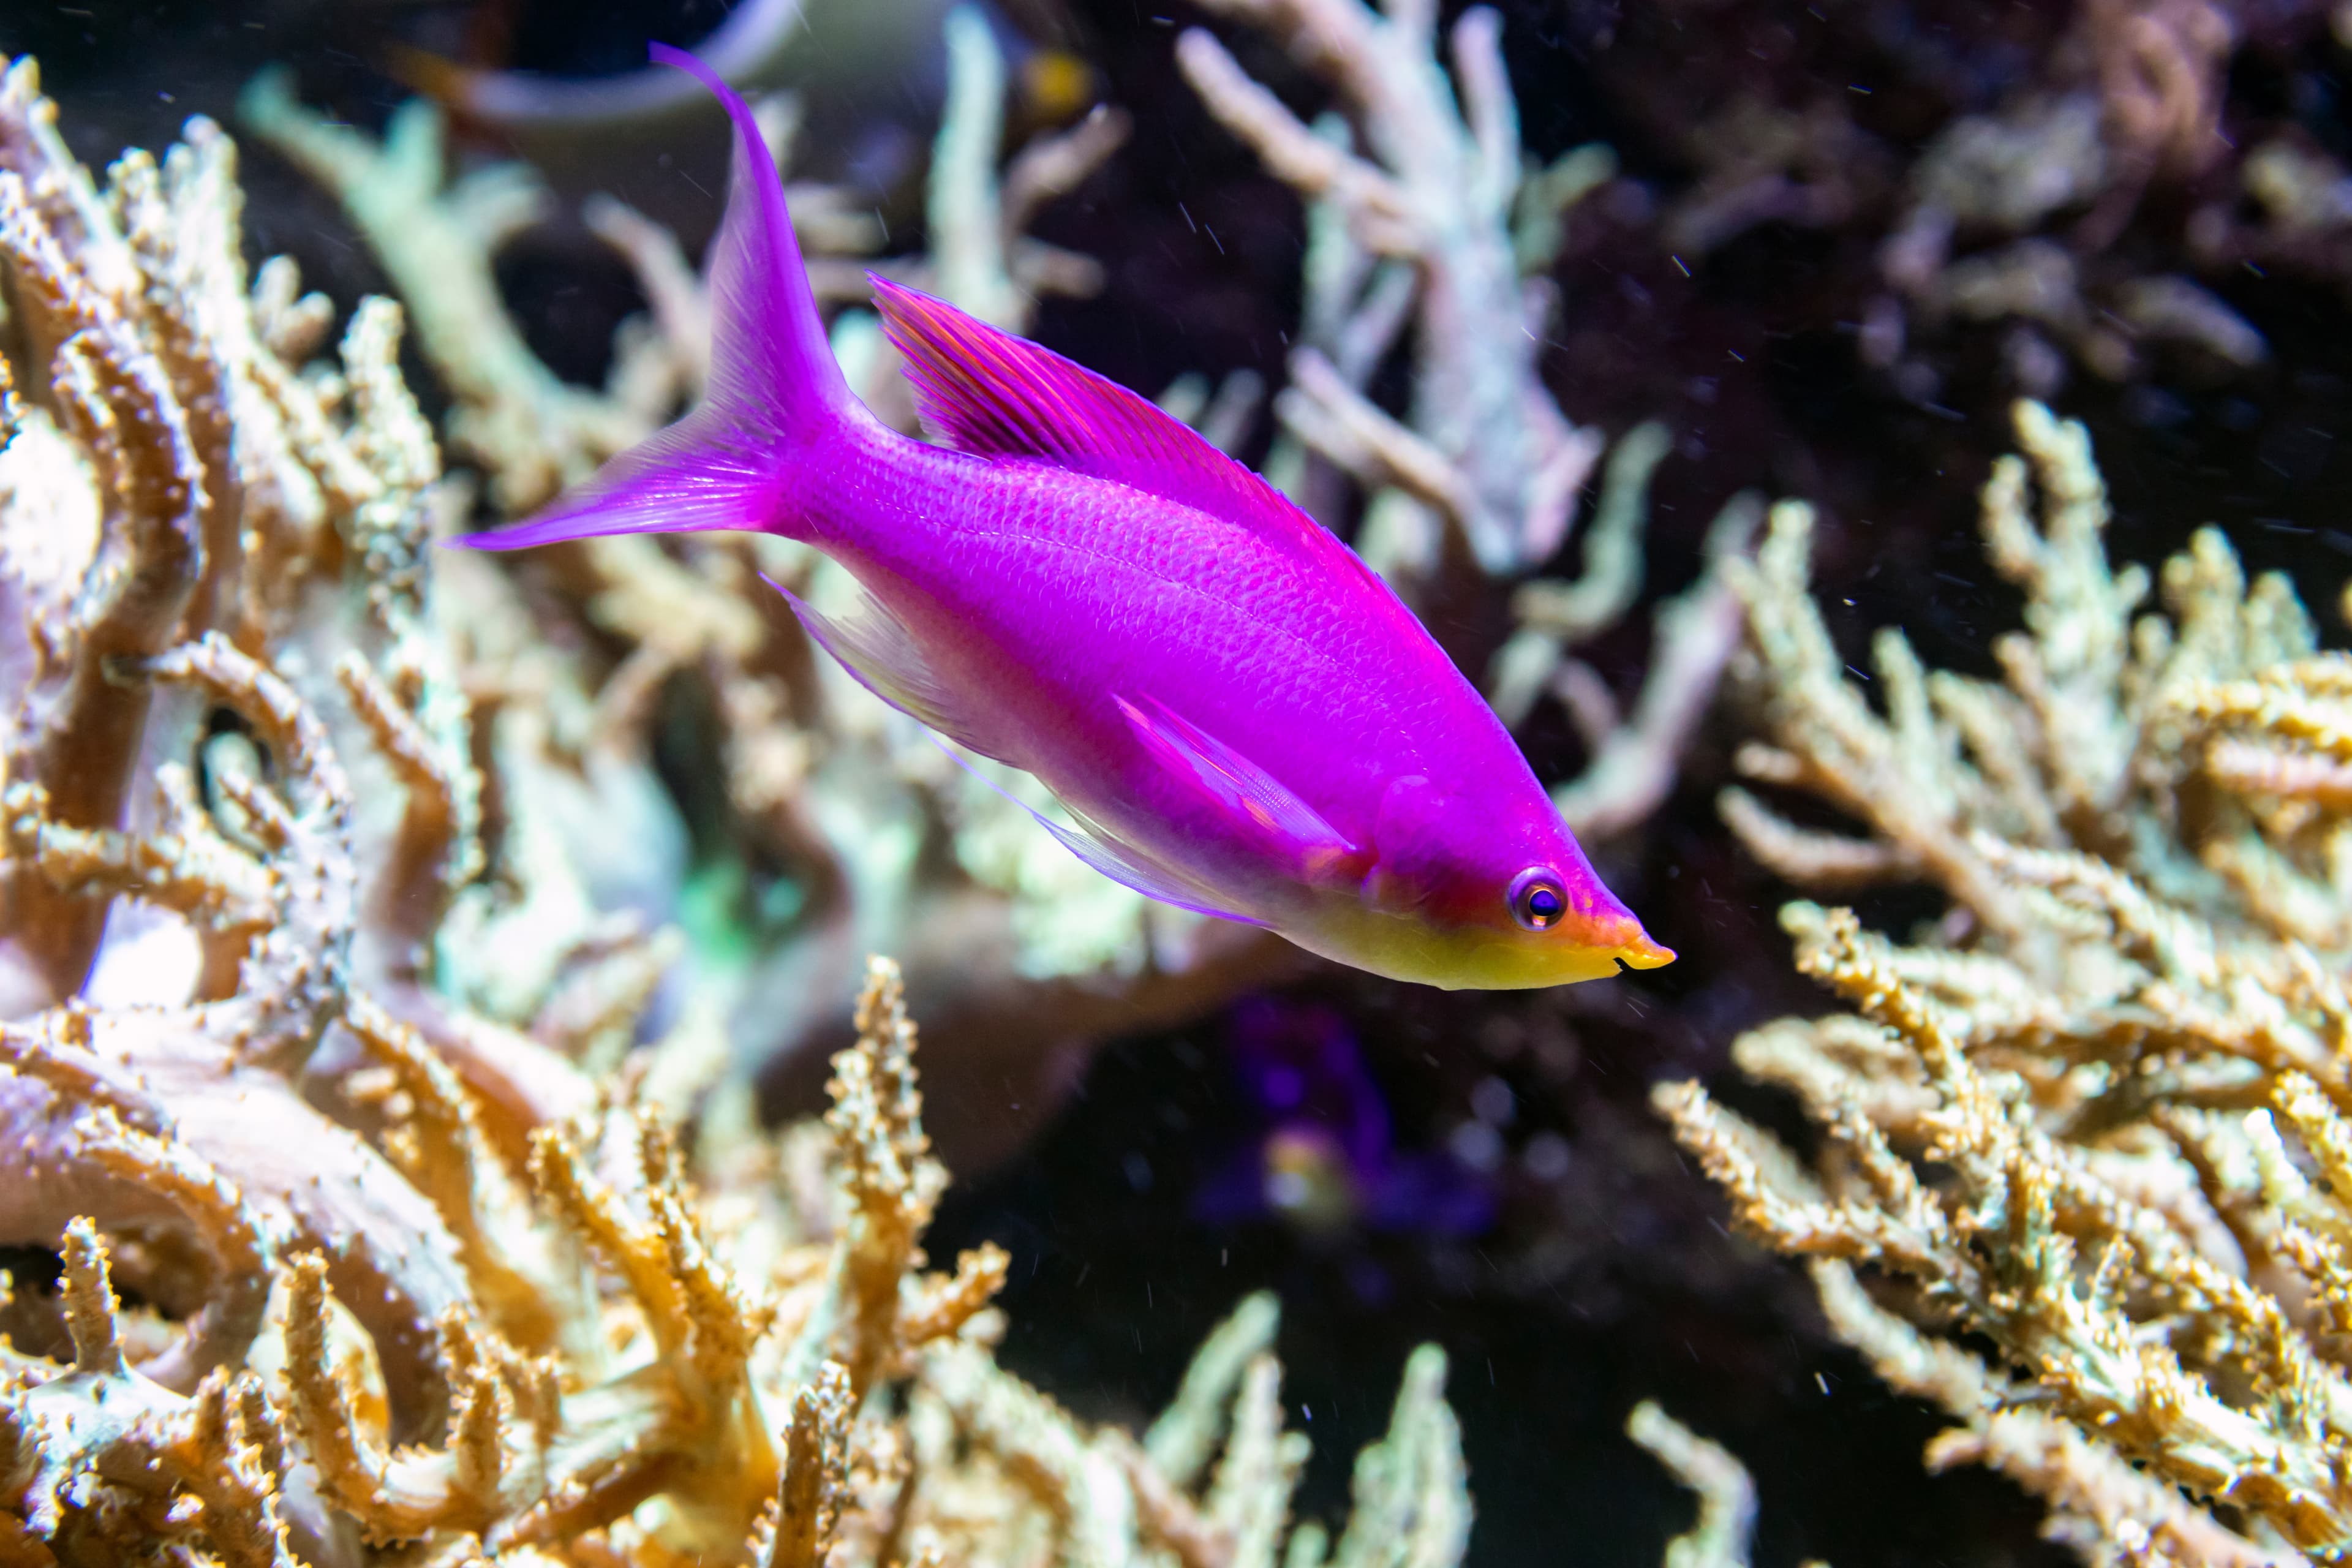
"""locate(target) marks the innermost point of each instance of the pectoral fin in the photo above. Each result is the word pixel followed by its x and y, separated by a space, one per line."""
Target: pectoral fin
pixel 1253 800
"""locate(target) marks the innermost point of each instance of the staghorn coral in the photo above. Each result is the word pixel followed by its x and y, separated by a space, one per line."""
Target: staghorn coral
pixel 1426 232
pixel 718 1396
pixel 402 1282
pixel 1633 757
pixel 2097 1114
pixel 2032 209
pixel 1718 1537
pixel 2096 741
pixel 531 432
pixel 2132 106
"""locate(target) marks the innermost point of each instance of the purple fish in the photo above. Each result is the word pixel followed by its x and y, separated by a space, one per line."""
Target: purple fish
pixel 1239 715
pixel 1326 1158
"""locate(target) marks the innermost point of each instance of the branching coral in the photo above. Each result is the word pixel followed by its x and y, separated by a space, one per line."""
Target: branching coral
pixel 1633 757
pixel 1424 224
pixel 1727 1497
pixel 403 1279
pixel 2038 217
pixel 532 432
pixel 684 1409
pixel 1424 208
pixel 2107 201
pixel 2099 741
pixel 2134 104
pixel 2099 1118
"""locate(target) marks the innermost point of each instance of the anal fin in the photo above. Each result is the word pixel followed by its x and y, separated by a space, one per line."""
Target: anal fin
pixel 1130 865
pixel 878 651
pixel 1130 868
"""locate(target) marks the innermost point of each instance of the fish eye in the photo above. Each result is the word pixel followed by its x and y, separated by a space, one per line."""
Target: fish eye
pixel 1537 900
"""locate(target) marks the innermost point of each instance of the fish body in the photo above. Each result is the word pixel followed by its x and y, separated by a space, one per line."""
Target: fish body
pixel 1242 717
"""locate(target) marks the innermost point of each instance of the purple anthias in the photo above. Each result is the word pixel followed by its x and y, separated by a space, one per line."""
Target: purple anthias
pixel 1324 1157
pixel 1240 718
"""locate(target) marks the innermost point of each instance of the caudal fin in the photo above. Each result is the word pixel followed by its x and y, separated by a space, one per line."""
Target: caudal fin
pixel 774 394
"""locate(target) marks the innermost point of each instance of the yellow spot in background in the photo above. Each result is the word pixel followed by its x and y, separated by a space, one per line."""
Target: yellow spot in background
pixel 1057 84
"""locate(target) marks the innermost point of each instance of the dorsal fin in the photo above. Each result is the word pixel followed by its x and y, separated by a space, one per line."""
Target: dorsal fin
pixel 988 392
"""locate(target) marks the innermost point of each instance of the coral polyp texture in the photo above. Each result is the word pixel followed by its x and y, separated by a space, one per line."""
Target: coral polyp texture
pixel 2085 1144
pixel 372 1241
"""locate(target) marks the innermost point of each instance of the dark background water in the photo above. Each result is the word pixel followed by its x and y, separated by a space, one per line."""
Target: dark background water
pixel 1587 1267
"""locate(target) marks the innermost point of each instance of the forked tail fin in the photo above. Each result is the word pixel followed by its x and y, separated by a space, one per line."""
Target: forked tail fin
pixel 775 393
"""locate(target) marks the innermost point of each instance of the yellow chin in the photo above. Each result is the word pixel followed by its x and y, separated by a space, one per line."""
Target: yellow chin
pixel 1467 958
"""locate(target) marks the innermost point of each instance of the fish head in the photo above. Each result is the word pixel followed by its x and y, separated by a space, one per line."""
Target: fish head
pixel 1482 894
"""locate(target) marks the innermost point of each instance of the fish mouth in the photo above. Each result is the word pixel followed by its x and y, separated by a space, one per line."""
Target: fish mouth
pixel 1643 954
